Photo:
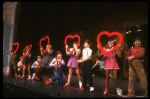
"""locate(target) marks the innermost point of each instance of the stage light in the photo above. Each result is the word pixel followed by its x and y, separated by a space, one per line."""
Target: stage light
pixel 138 30
pixel 137 26
pixel 127 33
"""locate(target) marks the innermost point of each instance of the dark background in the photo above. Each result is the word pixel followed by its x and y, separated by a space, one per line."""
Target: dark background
pixel 36 20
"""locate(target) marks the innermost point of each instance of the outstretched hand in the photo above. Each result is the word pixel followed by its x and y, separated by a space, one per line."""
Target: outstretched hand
pixel 130 58
pixel 79 61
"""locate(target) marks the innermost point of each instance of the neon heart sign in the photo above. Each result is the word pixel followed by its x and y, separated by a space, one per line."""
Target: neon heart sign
pixel 70 36
pixel 109 34
pixel 42 39
pixel 16 48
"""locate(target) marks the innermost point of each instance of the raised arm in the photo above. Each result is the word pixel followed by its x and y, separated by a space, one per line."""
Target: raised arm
pixel 50 51
pixel 67 53
pixel 118 52
pixel 77 51
pixel 41 51
pixel 8 52
pixel 99 53
pixel 27 54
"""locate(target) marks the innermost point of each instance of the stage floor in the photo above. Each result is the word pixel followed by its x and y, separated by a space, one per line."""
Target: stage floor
pixel 40 89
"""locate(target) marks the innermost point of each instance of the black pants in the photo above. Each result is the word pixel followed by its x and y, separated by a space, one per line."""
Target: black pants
pixel 48 71
pixel 87 73
pixel 20 71
pixel 12 68
pixel 38 72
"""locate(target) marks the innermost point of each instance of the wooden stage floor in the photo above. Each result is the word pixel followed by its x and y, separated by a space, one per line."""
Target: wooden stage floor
pixel 19 88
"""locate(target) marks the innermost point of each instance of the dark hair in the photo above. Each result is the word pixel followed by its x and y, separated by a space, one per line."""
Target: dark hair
pixel 75 42
pixel 88 41
pixel 58 52
pixel 21 57
pixel 109 42
pixel 38 57
pixel 49 44
pixel 137 38
pixel 114 42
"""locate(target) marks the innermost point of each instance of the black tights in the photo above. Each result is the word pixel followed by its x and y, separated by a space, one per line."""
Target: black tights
pixel 114 71
pixel 11 67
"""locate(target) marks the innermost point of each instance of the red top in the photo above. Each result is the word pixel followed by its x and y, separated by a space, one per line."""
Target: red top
pixel 137 52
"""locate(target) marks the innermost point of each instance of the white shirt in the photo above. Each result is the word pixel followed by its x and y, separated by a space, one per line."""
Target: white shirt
pixel 107 49
pixel 54 61
pixel 20 64
pixel 87 52
pixel 34 64
pixel 74 51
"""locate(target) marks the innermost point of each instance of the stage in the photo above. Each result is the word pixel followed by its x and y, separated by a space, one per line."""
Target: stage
pixel 19 88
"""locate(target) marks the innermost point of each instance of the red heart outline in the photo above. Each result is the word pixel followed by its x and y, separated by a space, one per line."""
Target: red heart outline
pixel 16 48
pixel 42 39
pixel 109 34
pixel 28 46
pixel 70 36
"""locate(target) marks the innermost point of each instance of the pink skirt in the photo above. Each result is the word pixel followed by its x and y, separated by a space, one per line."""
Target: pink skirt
pixel 73 62
pixel 111 63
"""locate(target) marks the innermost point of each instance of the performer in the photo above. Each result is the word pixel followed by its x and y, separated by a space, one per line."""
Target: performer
pixel 87 66
pixel 20 67
pixel 72 63
pixel 47 58
pixel 11 62
pixel 26 63
pixel 111 65
pixel 38 68
pixel 98 62
pixel 58 63
pixel 136 55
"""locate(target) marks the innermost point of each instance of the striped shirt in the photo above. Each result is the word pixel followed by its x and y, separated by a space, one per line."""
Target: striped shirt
pixel 137 52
